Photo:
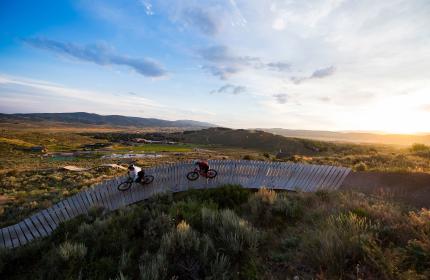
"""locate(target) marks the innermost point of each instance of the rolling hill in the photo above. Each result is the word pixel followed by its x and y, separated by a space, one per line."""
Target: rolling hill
pixel 95 119
pixel 356 137
pixel 263 141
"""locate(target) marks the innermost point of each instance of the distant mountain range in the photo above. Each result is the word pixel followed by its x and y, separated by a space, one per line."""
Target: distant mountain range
pixel 356 137
pixel 95 119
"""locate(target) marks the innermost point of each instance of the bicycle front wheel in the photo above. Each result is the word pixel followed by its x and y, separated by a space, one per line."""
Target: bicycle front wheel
pixel 147 179
pixel 193 175
pixel 211 173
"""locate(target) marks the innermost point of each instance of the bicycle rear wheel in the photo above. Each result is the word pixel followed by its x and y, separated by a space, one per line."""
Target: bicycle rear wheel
pixel 211 173
pixel 147 179
pixel 193 175
pixel 125 186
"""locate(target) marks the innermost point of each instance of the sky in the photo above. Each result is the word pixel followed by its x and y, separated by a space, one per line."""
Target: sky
pixel 316 64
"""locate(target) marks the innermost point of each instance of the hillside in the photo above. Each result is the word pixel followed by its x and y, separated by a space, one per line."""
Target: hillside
pixel 234 233
pixel 95 119
pixel 264 141
pixel 356 137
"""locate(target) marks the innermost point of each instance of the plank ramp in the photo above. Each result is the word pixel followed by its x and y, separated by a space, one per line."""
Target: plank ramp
pixel 172 178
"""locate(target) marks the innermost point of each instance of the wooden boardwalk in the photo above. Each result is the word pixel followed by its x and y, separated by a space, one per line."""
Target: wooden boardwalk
pixel 172 177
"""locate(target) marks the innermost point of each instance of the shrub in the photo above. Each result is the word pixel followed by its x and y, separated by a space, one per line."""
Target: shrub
pixel 72 251
pixel 185 254
pixel 247 157
pixel 361 166
pixel 266 205
pixel 234 235
pixel 337 243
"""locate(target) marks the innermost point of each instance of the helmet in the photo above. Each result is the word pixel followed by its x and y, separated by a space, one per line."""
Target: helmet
pixel 131 167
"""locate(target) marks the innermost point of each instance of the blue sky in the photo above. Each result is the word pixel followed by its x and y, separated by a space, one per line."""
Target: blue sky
pixel 317 64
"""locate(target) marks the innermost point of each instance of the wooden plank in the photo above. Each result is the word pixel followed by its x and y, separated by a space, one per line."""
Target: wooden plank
pixel 25 235
pixel 104 192
pixel 78 204
pixel 310 178
pixel 7 237
pixel 308 169
pixel 61 207
pixel 52 213
pixel 95 197
pixel 27 232
pixel 115 193
pixel 105 195
pixel 328 180
pixel 2 241
pixel 82 195
pixel 301 174
pixel 342 177
pixel 98 193
pixel 325 171
pixel 39 226
pixel 317 178
pixel 34 232
pixel 19 235
pixel 13 236
pixel 335 177
pixel 39 216
pixel 309 181
pixel 49 219
pixel 55 213
pixel 71 207
pixel 293 176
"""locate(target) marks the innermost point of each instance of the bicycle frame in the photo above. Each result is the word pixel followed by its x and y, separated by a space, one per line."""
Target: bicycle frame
pixel 201 173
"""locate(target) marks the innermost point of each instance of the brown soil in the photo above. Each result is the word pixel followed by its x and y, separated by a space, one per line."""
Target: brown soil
pixel 412 188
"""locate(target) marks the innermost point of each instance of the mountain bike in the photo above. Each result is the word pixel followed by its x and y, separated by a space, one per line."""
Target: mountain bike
pixel 194 175
pixel 147 179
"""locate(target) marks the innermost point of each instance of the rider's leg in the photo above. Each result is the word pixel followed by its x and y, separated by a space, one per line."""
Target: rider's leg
pixel 140 176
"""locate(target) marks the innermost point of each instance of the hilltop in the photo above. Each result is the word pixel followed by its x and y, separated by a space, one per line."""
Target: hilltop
pixel 95 119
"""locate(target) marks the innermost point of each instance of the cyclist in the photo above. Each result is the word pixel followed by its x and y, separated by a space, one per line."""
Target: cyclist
pixel 203 166
pixel 136 173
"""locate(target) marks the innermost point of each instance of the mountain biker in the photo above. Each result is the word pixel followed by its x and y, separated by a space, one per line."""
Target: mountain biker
pixel 136 173
pixel 203 166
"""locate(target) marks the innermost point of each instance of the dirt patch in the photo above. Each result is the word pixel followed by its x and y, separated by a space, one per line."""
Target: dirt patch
pixel 412 188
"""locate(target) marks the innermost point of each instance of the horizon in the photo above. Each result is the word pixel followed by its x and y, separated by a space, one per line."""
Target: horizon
pixel 374 132
pixel 323 65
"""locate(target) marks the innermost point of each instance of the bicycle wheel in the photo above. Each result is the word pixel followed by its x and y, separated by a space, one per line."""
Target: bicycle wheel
pixel 124 186
pixel 193 175
pixel 147 179
pixel 211 173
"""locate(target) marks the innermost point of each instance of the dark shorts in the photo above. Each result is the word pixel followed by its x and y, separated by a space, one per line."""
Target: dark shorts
pixel 140 176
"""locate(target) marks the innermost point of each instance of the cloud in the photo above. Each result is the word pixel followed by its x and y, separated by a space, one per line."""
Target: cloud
pixel 279 66
pixel 222 72
pixel 148 7
pixel 99 54
pixel 317 74
pixel 224 62
pixel 324 72
pixel 229 88
pixel 202 20
pixel 281 98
